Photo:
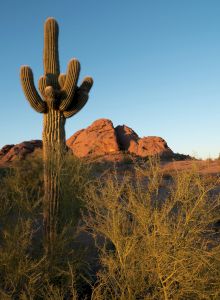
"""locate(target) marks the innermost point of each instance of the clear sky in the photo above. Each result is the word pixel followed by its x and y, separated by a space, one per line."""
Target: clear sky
pixel 155 64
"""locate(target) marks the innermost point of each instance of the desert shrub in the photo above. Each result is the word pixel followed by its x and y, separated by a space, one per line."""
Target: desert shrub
pixel 25 271
pixel 155 235
pixel 155 240
pixel 75 177
pixel 21 189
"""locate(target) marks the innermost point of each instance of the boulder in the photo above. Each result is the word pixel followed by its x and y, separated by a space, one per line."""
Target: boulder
pixel 100 138
pixel 153 145
pixel 127 138
pixel 97 139
pixel 70 142
pixel 19 151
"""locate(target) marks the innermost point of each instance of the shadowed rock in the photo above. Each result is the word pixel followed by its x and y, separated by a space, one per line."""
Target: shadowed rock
pixel 127 138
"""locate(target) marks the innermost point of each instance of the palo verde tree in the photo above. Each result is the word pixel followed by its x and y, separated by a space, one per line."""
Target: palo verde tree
pixel 60 99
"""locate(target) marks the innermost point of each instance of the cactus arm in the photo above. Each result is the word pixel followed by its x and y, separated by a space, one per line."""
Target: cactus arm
pixel 61 80
pixel 86 85
pixel 42 84
pixel 51 56
pixel 30 91
pixel 80 98
pixel 70 84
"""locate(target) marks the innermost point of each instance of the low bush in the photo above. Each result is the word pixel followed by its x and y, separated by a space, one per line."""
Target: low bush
pixel 156 237
pixel 156 240
pixel 25 271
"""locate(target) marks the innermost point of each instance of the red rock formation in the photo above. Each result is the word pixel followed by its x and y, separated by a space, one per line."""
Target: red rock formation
pixel 97 139
pixel 147 146
pixel 153 145
pixel 12 152
pixel 100 138
pixel 126 137
pixel 5 150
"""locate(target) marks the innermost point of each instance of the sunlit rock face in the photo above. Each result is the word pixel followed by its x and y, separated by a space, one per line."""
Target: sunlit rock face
pixel 19 151
pixel 152 145
pixel 100 138
pixel 97 139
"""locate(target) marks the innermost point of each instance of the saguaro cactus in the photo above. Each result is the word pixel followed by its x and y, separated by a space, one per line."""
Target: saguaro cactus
pixel 60 99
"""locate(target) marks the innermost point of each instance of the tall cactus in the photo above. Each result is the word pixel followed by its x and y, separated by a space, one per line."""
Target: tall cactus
pixel 60 99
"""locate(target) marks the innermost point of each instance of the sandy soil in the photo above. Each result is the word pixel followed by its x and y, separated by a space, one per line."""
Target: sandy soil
pixel 202 166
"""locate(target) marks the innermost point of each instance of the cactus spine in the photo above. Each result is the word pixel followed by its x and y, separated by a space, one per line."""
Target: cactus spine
pixel 60 99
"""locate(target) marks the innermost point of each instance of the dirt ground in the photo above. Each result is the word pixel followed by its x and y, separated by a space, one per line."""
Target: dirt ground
pixel 202 166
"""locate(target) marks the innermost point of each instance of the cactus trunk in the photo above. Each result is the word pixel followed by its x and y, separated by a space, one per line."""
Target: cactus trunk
pixel 53 151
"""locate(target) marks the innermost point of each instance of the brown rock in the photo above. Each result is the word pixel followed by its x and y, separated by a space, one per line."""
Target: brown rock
pixel 127 138
pixel 19 151
pixel 153 145
pixel 5 150
pixel 72 139
pixel 97 139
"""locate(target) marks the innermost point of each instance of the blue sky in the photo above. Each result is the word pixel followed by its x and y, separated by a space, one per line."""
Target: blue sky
pixel 155 64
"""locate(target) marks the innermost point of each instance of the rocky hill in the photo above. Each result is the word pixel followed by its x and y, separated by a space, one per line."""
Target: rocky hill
pixel 19 151
pixel 100 138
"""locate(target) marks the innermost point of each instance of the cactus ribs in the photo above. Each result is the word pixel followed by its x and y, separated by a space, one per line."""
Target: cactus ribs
pixel 60 99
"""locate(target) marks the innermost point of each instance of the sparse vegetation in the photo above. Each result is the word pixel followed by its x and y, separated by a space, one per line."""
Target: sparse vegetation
pixel 26 272
pixel 155 237
pixel 156 241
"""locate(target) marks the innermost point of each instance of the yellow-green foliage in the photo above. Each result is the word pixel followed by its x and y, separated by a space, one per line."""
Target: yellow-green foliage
pixel 156 239
pixel 25 271
pixel 155 235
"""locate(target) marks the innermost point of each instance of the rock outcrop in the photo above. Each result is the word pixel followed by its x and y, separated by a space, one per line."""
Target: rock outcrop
pixel 127 138
pixel 19 151
pixel 152 145
pixel 97 139
pixel 100 138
